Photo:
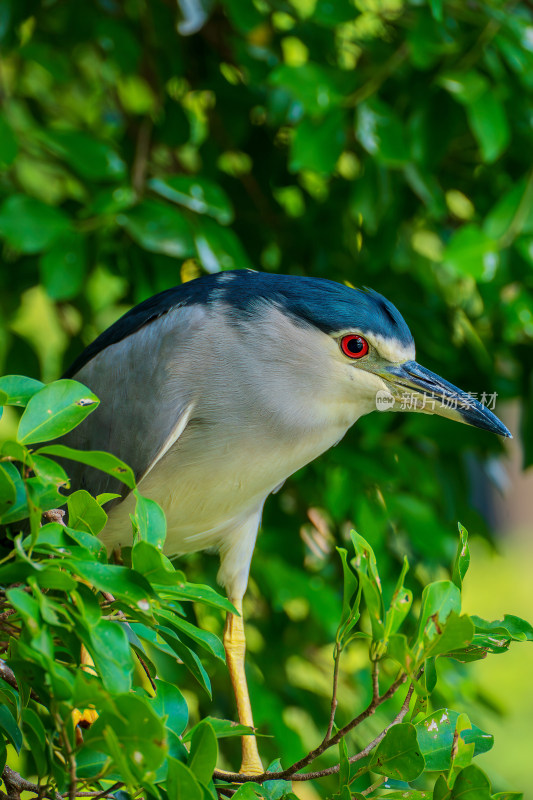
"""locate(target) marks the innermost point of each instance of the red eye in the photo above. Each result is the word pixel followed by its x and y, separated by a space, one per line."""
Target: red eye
pixel 354 346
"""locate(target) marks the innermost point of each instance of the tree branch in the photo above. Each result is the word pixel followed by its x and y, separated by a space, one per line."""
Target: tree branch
pixel 292 772
pixel 9 676
pixel 15 784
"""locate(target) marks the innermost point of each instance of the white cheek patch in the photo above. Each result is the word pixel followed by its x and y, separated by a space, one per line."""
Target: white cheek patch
pixel 393 350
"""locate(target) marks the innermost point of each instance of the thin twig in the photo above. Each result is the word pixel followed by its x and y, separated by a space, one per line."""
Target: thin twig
pixel 101 793
pixel 334 701
pixel 291 772
pixel 400 716
pixel 71 759
pixel 375 680
pixel 374 786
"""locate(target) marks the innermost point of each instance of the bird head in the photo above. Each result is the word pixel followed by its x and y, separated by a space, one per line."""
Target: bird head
pixel 365 344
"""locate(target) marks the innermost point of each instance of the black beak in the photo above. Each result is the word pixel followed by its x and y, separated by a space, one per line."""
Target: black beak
pixel 419 389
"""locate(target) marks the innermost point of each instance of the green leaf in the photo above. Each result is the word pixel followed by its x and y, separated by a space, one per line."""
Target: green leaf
pixel 63 267
pixel 219 248
pixel 456 633
pixel 249 791
pixel 471 784
pixel 28 608
pixel 50 471
pixel 10 727
pixel 8 489
pixel 441 790
pixel 462 753
pixel 209 641
pixel 462 558
pixel 138 730
pixel 29 225
pixel 55 410
pixel 150 521
pixel 198 593
pixel 437 10
pixel 170 702
pixel 350 605
pixel 513 208
pixel 439 599
pixel 168 667
pixel 63 540
pixel 106 462
pixel 466 87
pixel 508 796
pixel 496 637
pixel 90 158
pixel 344 765
pixel 436 734
pixel 111 653
pixel 488 122
pixel 471 252
pixel 277 789
pixel 35 735
pixel 349 586
pixel 224 729
pixel 197 194
pixel 16 390
pixel 203 753
pixel 188 656
pixel 15 508
pixel 398 755
pixel 181 782
pixel 136 95
pixel 399 650
pixel 123 583
pixel 382 133
pixel 400 603
pixel 159 228
pixel 370 583
pixel 317 144
pixel 315 87
pixel 84 513
pixel 155 566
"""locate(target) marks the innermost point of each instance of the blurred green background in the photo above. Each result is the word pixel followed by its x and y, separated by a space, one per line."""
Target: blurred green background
pixel 377 142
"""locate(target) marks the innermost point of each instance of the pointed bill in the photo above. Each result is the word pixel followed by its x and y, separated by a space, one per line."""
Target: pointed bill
pixel 431 394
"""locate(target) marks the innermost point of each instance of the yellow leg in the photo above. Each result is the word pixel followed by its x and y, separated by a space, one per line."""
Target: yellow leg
pixel 235 647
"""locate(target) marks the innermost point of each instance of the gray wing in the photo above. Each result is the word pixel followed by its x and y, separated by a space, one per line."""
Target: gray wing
pixel 146 397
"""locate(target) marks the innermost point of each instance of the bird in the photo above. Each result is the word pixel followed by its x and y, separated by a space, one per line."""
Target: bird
pixel 219 389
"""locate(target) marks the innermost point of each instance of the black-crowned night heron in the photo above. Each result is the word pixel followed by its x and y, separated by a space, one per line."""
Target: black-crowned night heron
pixel 216 391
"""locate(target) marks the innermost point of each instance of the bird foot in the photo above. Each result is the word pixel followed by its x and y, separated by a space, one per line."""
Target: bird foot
pixel 251 767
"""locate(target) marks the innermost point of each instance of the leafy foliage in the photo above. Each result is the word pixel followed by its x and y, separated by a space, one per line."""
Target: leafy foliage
pixel 62 598
pixel 384 144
